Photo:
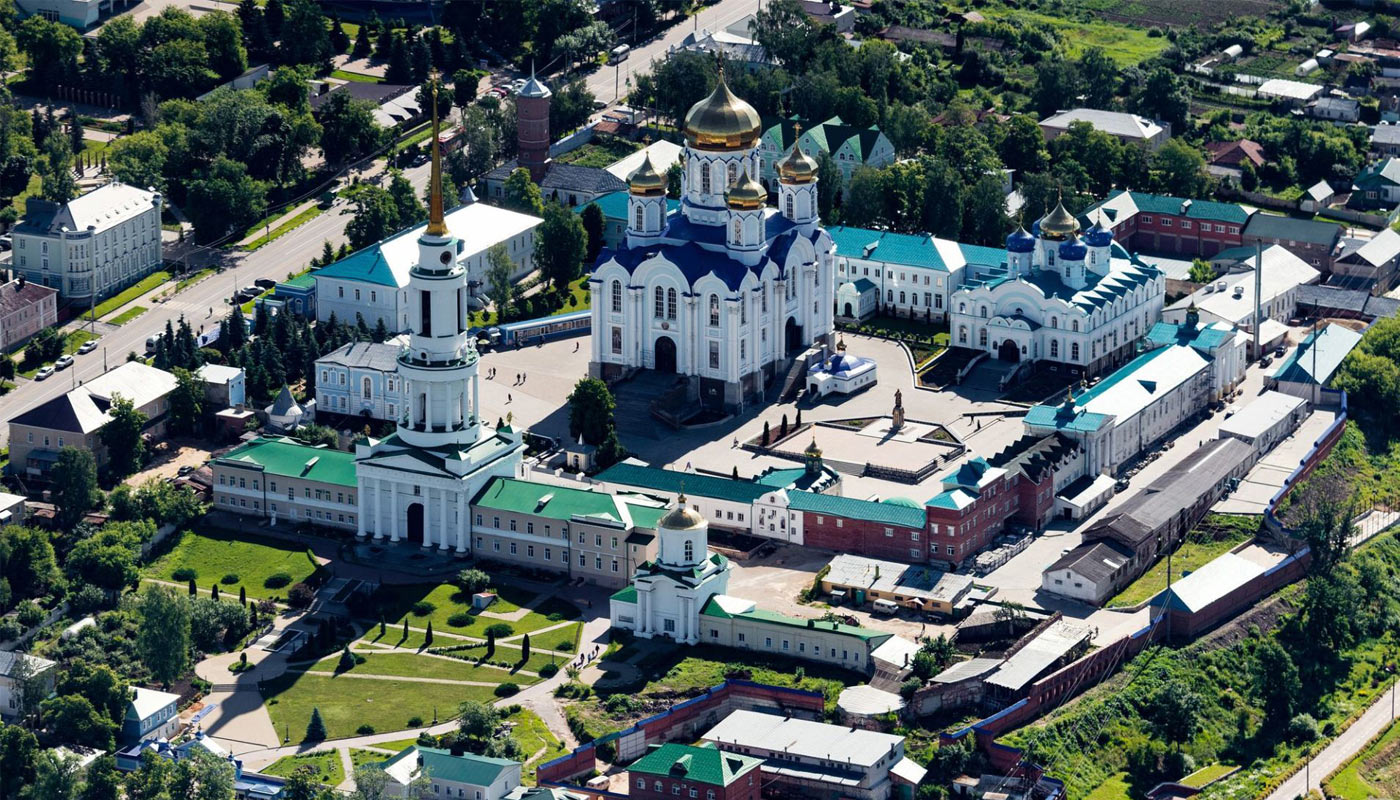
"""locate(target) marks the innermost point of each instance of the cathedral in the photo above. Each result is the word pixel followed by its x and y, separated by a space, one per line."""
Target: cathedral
pixel 416 484
pixel 1073 298
pixel 724 289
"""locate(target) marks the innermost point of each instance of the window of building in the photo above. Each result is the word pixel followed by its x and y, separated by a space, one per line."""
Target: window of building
pixel 670 304
pixel 616 340
pixel 659 302
pixel 616 296
pixel 714 311
pixel 714 355
pixel 639 218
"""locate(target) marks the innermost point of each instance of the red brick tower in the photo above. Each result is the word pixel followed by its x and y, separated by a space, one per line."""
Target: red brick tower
pixel 532 126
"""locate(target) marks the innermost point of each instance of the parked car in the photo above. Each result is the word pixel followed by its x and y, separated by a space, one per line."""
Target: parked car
pixel 265 283
pixel 6 243
pixel 43 373
pixel 88 346
pixel 63 362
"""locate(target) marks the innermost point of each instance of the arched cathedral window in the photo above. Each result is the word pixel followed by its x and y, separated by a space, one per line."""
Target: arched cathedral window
pixel 714 311
pixel 659 303
pixel 617 296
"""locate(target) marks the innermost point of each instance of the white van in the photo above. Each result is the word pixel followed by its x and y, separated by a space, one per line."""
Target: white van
pixel 619 53
pixel 886 607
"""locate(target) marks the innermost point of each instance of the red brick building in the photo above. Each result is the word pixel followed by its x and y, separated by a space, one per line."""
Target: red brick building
pixel 1153 223
pixel 703 772
pixel 892 529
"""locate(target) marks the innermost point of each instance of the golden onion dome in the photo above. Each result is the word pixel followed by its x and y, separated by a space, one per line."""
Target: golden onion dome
pixel 812 450
pixel 1059 224
pixel 647 180
pixel 797 166
pixel 722 121
pixel 681 518
pixel 747 194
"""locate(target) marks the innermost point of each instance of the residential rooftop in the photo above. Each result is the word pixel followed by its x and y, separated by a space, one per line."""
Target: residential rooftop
pixel 290 458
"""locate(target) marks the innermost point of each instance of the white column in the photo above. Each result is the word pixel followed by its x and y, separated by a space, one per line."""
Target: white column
pixel 393 512
pixel 427 518
pixel 463 522
pixel 360 508
pixel 443 528
pixel 378 508
pixel 476 396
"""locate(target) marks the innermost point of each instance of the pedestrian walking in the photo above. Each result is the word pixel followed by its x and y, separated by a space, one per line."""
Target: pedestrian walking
pixel 508 398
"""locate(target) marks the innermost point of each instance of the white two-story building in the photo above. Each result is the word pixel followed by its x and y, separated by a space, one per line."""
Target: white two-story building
pixel 361 380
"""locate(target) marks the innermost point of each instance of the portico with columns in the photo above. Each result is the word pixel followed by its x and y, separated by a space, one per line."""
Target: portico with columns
pixel 667 594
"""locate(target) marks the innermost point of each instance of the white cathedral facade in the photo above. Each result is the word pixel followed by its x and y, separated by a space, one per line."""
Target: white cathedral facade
pixel 1080 302
pixel 417 483
pixel 725 289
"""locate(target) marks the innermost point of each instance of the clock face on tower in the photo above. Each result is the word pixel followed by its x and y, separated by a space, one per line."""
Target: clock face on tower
pixel 445 257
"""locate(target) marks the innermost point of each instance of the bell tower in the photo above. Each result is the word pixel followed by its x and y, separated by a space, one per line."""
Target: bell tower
pixel 439 365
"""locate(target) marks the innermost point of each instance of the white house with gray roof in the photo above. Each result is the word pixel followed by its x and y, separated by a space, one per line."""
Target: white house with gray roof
pixel 912 274
pixel 20 673
pixel 92 246
pixel 361 380
pixel 1129 128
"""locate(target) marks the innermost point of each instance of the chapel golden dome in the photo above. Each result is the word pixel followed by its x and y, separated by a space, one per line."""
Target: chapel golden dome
pixel 722 121
pixel 681 517
pixel 797 166
pixel 647 180
pixel 747 194
pixel 1059 224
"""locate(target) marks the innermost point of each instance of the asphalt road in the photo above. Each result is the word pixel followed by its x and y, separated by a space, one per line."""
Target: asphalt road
pixel 610 82
pixel 288 254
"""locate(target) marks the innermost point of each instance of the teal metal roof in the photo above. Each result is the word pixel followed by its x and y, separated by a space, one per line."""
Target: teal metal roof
pixel 697 763
pixel 367 265
pixel 851 508
pixel 1317 359
pixel 1381 173
pixel 1202 337
pixel 293 459
pixel 614 205
pixel 1217 212
pixel 666 480
pixel 467 768
pixel 977 254
pixel 892 248
pixel 1157 203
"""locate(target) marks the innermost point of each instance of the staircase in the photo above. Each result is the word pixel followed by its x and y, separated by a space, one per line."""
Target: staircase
pixel 636 398
pixel 796 379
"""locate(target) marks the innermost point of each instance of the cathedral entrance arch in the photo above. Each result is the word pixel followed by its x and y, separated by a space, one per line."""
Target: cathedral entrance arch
pixel 849 315
pixel 1009 351
pixel 415 523
pixel 793 336
pixel 665 354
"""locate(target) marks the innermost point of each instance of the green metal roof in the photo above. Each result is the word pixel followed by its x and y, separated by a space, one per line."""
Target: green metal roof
pixel 546 500
pixel 627 594
pixel 645 516
pixel 700 764
pixel 1157 203
pixel 891 248
pixel 1319 356
pixel 1217 212
pixel 614 205
pixel 851 508
pixel 714 609
pixel 666 480
pixel 305 281
pixel 466 768
pixel 293 459
pixel 1382 173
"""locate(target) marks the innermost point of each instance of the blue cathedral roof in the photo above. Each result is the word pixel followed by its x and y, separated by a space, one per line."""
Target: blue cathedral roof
pixel 1099 236
pixel 1073 250
pixel 1020 242
pixel 695 262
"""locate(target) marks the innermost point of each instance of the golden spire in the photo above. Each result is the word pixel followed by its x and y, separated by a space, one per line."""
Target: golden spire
pixel 436 225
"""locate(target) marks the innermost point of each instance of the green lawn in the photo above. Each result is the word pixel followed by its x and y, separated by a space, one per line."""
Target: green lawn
pixel 1115 788
pixel 1215 536
pixel 360 757
pixel 532 735
pixel 190 280
pixel 924 339
pixel 578 290
pixel 252 558
pixel 1206 774
pixel 1127 45
pixel 30 189
pixel 396 745
pixel 127 315
pixel 346 703
pixel 286 227
pixel 1373 774
pixel 413 665
pixel 131 293
pixel 355 77
pixel 327 766
pixel 72 341
pixel 599 153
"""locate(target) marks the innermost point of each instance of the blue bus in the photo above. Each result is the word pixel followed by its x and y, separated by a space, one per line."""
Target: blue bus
pixel 535 331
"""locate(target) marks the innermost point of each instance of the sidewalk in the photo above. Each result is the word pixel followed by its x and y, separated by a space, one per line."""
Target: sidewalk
pixel 272 225
pixel 1342 749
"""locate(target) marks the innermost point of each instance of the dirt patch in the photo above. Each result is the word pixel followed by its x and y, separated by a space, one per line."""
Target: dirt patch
pixel 1267 615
